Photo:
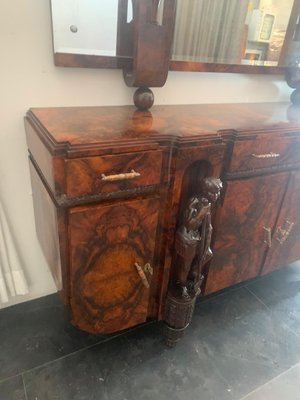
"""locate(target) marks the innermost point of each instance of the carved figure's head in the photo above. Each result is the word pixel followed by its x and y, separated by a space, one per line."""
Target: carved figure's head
pixel 211 188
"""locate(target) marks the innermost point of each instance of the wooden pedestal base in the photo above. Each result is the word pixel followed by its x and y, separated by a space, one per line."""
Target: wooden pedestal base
pixel 178 315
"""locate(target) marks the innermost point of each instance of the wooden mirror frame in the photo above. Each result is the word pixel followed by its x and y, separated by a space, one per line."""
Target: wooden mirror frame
pixel 117 62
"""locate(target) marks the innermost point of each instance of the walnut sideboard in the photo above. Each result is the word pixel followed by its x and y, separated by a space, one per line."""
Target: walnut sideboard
pixel 125 202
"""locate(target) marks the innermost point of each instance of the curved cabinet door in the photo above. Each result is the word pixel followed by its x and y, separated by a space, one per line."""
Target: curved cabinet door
pixel 108 291
pixel 244 230
pixel 286 239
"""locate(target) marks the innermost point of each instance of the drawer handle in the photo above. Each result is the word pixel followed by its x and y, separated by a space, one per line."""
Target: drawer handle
pixel 120 177
pixel 283 233
pixel 268 236
pixel 268 155
pixel 141 271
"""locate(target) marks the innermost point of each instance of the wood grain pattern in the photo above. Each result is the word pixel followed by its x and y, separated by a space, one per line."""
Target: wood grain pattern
pixel 84 175
pixel 92 61
pixel 107 293
pixel 47 222
pixel 89 61
pixel 151 44
pixel 283 254
pixel 239 249
pixel 124 48
pixel 40 154
pixel 97 230
pixel 196 66
pixel 243 158
pixel 84 131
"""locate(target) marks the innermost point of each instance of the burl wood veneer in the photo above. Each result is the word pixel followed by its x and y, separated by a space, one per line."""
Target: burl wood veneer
pixel 138 213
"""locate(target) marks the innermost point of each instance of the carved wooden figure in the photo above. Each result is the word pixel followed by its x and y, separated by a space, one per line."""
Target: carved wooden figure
pixel 192 251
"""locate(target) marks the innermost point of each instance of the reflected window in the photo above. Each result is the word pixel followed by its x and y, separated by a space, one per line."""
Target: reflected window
pixel 250 32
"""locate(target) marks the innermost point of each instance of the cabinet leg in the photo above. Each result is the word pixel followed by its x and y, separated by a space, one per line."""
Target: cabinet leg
pixel 178 315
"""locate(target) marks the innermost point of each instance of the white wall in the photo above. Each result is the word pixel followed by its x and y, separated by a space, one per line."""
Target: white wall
pixel 28 78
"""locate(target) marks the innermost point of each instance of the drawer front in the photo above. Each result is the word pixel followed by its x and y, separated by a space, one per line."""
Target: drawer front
pixel 95 175
pixel 263 153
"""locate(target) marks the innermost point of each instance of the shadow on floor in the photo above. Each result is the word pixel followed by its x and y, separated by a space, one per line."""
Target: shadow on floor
pixel 242 342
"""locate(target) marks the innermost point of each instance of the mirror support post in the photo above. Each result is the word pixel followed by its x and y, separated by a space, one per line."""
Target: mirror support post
pixel 150 45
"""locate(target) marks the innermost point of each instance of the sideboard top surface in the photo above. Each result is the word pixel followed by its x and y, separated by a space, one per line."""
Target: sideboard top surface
pixel 73 128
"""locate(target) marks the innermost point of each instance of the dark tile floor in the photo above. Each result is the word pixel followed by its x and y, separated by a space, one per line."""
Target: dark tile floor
pixel 242 344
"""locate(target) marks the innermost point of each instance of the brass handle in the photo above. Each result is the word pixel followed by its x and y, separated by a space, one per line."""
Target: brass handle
pixel 283 233
pixel 268 238
pixel 120 177
pixel 141 271
pixel 268 155
pixel 148 269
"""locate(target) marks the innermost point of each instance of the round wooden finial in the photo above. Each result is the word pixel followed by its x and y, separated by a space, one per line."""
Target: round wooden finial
pixel 143 98
pixel 292 77
pixel 293 113
pixel 295 97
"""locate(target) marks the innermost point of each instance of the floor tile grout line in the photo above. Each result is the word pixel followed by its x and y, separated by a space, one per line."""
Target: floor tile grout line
pixel 214 296
pixel 271 380
pixel 217 295
pixel 82 350
pixel 108 339
pixel 224 380
pixel 268 308
pixel 24 386
pixel 291 330
pixel 224 354
pixel 10 377
pixel 75 352
pixel 258 298
pixel 243 286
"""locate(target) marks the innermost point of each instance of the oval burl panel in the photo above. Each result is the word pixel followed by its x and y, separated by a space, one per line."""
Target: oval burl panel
pixel 107 292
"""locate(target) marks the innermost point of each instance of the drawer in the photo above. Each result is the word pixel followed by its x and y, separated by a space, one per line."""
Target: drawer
pixel 263 153
pixel 94 175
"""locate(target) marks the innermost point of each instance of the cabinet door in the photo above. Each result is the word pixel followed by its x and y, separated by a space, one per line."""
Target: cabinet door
pixel 250 208
pixel 286 239
pixel 107 290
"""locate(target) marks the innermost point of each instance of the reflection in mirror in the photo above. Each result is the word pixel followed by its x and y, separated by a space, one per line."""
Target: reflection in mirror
pixel 250 32
pixel 293 47
pixel 160 12
pixel 86 26
pixel 212 33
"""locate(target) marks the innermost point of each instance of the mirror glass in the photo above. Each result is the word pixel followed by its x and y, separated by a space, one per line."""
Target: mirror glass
pixel 249 32
pixel 240 32
pixel 85 26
